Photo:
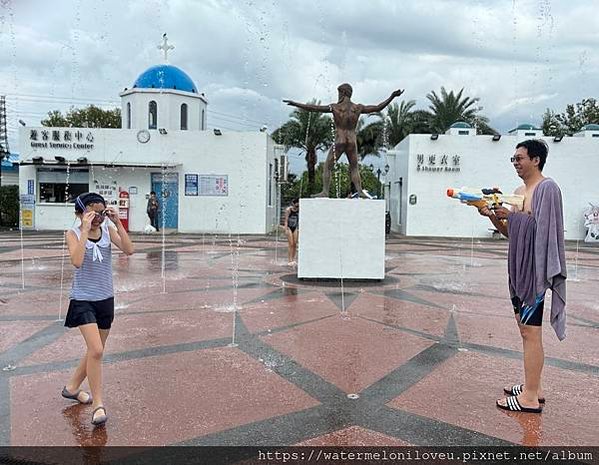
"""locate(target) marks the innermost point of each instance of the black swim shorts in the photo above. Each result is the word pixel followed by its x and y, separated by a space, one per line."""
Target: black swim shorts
pixel 530 314
pixel 82 312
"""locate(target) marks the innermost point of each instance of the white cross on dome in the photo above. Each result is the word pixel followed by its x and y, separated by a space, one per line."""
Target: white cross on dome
pixel 165 46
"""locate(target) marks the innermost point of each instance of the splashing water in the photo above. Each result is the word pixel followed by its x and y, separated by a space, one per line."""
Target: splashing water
pixel 235 279
pixel 22 248
pixel 278 226
pixel 75 72
pixel 336 168
pixel 472 248
pixel 548 23
pixel 385 133
pixel 344 314
pixel 514 51
pixel 235 268
pixel 306 144
pixel 64 244
pixel 575 278
pixel 163 220
pixel 9 6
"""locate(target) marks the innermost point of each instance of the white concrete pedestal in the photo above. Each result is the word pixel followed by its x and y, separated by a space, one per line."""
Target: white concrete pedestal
pixel 341 238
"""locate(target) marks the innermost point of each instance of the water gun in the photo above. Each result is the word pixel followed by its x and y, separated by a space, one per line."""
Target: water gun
pixel 479 198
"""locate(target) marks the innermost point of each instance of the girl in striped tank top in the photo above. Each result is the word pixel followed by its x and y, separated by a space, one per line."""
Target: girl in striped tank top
pixel 91 306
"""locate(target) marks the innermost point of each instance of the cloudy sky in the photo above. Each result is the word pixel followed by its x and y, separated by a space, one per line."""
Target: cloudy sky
pixel 519 56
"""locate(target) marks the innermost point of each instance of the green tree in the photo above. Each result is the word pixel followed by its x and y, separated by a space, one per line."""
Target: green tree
pixel 340 183
pixel 421 122
pixel 482 126
pixel 369 137
pixel 448 108
pixel 391 128
pixel 9 205
pixel 552 126
pixel 400 121
pixel 578 115
pixel 4 154
pixel 90 117
pixel 309 131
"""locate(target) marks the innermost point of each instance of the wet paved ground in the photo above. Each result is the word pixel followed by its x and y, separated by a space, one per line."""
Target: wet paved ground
pixel 231 349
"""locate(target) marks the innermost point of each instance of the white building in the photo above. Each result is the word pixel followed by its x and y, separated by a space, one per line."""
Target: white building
pixel 423 166
pixel 207 181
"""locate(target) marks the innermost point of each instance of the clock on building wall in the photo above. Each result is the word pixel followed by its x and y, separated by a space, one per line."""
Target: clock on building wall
pixel 143 136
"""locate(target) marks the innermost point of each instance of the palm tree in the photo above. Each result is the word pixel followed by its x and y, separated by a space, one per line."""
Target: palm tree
pixel 481 123
pixel 369 136
pixel 309 131
pixel 391 128
pixel 400 121
pixel 421 122
pixel 450 107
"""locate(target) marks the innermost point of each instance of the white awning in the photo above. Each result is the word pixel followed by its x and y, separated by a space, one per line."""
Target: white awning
pixel 40 161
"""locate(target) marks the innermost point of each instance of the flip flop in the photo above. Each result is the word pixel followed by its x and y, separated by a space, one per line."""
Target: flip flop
pixel 517 389
pixel 67 395
pixel 514 406
pixel 100 419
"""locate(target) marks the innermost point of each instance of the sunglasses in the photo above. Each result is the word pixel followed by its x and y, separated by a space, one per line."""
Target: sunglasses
pixel 518 159
pixel 101 214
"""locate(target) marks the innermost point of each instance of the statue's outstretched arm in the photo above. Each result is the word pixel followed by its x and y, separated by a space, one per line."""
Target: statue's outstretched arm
pixel 383 104
pixel 309 106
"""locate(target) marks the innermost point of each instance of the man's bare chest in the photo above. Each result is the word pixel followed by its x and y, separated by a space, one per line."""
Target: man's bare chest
pixel 527 208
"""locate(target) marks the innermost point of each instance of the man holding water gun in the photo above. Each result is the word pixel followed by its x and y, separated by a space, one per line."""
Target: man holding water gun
pixel 536 262
pixel 488 199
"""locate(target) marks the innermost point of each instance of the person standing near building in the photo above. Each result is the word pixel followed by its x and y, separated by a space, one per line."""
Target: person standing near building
pixel 536 262
pixel 292 229
pixel 153 209
pixel 91 306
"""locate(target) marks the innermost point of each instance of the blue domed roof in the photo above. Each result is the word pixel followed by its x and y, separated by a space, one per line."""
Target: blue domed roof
pixel 165 77
pixel 591 127
pixel 460 125
pixel 527 127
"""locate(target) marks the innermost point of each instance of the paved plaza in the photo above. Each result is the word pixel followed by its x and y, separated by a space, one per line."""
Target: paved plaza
pixel 216 342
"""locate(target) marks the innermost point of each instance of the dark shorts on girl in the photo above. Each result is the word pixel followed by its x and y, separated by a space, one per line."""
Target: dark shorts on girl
pixel 82 312
pixel 530 314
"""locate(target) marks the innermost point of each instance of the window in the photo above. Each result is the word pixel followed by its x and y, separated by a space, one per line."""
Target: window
pixel 128 115
pixel 53 185
pixel 152 115
pixel 184 116
pixel 203 120
pixel 463 133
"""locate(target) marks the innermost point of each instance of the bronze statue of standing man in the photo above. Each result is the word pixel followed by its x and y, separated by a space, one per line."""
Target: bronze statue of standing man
pixel 345 115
